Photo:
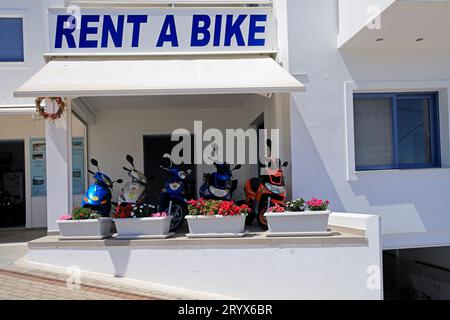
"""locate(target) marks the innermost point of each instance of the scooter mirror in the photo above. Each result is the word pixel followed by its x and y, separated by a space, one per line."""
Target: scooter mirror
pixel 94 162
pixel 237 167
pixel 285 164
pixel 130 160
pixel 119 181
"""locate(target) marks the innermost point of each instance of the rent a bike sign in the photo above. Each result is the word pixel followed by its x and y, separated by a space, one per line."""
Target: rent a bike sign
pixel 161 30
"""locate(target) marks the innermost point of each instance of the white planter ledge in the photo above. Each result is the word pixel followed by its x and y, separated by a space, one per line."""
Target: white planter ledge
pixel 142 228
pixel 85 229
pixel 308 222
pixel 216 225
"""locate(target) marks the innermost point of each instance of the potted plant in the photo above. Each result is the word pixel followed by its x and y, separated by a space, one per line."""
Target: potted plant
pixel 215 217
pixel 299 217
pixel 84 223
pixel 141 222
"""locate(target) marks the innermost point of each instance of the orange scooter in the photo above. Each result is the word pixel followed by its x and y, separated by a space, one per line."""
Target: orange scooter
pixel 259 190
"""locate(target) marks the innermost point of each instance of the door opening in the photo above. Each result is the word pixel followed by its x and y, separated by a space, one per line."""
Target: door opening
pixel 155 146
pixel 12 184
pixel 258 124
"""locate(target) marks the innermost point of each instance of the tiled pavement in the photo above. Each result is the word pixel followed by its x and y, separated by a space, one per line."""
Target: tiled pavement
pixel 18 282
pixel 22 286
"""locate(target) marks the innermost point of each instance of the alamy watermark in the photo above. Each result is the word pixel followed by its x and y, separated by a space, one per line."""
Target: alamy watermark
pixel 233 146
pixel 73 282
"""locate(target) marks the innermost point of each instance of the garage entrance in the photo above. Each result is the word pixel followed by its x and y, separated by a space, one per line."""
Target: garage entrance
pixel 155 146
pixel 12 184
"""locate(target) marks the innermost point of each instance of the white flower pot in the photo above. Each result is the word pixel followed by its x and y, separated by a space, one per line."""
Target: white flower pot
pixel 141 227
pixel 88 229
pixel 307 221
pixel 216 224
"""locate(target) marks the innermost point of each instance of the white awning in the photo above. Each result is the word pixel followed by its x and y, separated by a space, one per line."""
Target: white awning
pixel 16 110
pixel 81 78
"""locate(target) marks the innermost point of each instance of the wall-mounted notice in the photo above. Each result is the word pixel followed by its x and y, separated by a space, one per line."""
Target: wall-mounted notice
pixel 38 169
pixel 38 172
pixel 77 165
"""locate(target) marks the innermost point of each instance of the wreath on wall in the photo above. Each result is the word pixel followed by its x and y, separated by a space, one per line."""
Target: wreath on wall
pixel 51 115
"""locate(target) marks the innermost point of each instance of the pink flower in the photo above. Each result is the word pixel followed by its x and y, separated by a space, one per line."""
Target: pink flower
pixel 65 217
pixel 159 214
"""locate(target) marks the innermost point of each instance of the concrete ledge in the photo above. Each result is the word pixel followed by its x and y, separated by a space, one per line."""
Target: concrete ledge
pixel 252 267
pixel 252 240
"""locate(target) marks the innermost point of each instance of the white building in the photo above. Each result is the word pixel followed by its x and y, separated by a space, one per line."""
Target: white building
pixel 370 133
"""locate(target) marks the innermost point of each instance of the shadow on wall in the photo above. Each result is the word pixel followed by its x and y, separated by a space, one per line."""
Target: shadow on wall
pixel 422 210
pixel 395 65
pixel 414 196
pixel 310 177
pixel 119 259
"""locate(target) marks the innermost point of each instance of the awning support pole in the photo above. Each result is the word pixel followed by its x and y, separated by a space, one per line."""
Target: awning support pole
pixel 58 137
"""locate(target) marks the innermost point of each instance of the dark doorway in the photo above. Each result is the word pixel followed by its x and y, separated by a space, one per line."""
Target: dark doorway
pixel 155 146
pixel 12 184
pixel 259 126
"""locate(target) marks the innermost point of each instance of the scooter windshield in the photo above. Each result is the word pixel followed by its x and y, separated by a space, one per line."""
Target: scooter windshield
pixel 222 181
pixel 103 178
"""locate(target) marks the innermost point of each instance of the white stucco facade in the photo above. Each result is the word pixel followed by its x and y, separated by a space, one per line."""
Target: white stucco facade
pixel 410 202
pixel 323 45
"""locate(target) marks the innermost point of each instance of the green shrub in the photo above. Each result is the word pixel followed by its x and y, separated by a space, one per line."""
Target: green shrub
pixel 296 205
pixel 84 213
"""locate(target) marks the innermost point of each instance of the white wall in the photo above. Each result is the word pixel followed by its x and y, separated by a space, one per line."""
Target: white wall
pixel 311 269
pixel 411 203
pixel 25 127
pixel 355 15
pixel 12 75
pixel 121 123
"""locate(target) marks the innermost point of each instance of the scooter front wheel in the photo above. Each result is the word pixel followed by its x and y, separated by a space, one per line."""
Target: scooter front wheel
pixel 178 211
pixel 262 221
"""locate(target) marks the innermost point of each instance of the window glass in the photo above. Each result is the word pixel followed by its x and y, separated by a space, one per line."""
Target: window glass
pixel 396 131
pixel 373 132
pixel 414 135
pixel 11 40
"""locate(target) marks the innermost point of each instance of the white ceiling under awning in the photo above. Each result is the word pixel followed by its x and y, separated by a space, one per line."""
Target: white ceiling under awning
pixel 403 24
pixel 89 78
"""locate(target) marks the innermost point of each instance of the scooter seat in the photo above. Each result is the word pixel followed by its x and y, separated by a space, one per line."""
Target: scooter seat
pixel 254 184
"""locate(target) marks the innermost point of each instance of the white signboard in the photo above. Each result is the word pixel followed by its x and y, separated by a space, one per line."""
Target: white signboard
pixel 161 30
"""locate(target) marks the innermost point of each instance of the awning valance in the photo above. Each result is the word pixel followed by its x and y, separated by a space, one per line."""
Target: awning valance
pixel 69 78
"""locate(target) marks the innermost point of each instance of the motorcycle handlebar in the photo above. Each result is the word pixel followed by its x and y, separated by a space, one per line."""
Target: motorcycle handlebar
pixel 91 172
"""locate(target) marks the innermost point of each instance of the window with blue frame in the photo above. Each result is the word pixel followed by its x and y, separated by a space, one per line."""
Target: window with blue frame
pixel 396 131
pixel 11 40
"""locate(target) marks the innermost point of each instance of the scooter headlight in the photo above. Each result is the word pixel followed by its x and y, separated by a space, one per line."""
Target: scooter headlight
pixel 175 186
pixel 220 193
pixel 275 189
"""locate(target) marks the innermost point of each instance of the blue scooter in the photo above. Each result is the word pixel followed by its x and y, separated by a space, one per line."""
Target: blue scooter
pixel 173 194
pixel 98 196
pixel 219 185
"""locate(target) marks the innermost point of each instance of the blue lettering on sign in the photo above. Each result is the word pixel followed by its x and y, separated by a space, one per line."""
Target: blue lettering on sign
pixel 136 20
pixel 203 30
pixel 168 32
pixel 116 33
pixel 233 29
pixel 254 29
pixel 85 30
pixel 66 32
pixel 225 30
pixel 217 31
